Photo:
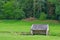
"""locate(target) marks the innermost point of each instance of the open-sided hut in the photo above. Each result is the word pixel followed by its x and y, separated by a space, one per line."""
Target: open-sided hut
pixel 39 29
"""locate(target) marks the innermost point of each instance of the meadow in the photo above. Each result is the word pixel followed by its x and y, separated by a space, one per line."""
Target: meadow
pixel 25 26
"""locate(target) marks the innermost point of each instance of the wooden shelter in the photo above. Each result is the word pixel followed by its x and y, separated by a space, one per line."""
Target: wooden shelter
pixel 39 29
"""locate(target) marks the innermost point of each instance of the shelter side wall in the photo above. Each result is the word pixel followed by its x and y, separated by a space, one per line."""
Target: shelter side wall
pixel 39 32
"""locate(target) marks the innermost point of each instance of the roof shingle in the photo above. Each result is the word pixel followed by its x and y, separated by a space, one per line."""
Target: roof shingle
pixel 39 27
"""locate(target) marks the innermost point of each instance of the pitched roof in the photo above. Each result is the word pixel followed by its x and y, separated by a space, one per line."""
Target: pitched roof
pixel 39 27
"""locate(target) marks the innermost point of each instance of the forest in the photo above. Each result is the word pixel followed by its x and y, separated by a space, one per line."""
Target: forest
pixel 21 9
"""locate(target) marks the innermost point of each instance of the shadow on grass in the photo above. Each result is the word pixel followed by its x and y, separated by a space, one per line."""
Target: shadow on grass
pixel 25 33
pixel 55 34
pixel 29 33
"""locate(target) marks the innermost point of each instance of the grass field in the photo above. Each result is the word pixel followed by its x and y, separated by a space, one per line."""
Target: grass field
pixel 24 26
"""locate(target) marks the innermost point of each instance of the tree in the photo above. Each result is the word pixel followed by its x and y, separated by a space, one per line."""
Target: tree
pixel 12 10
pixel 57 11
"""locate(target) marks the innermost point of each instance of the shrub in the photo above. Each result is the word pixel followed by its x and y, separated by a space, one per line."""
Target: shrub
pixel 42 16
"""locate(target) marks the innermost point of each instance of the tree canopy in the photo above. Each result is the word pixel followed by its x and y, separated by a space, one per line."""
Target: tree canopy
pixel 20 9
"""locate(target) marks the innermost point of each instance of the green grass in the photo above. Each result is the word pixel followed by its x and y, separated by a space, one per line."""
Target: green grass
pixel 24 26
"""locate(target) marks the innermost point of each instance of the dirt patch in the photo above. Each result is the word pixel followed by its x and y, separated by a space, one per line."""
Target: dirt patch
pixel 30 19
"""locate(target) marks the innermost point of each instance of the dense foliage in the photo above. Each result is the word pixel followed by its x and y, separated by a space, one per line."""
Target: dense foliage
pixel 19 9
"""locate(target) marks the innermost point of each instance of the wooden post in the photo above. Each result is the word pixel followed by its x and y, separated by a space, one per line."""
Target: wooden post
pixel 47 30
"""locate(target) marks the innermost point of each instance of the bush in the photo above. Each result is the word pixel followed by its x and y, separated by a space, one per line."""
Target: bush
pixel 42 16
pixel 19 14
